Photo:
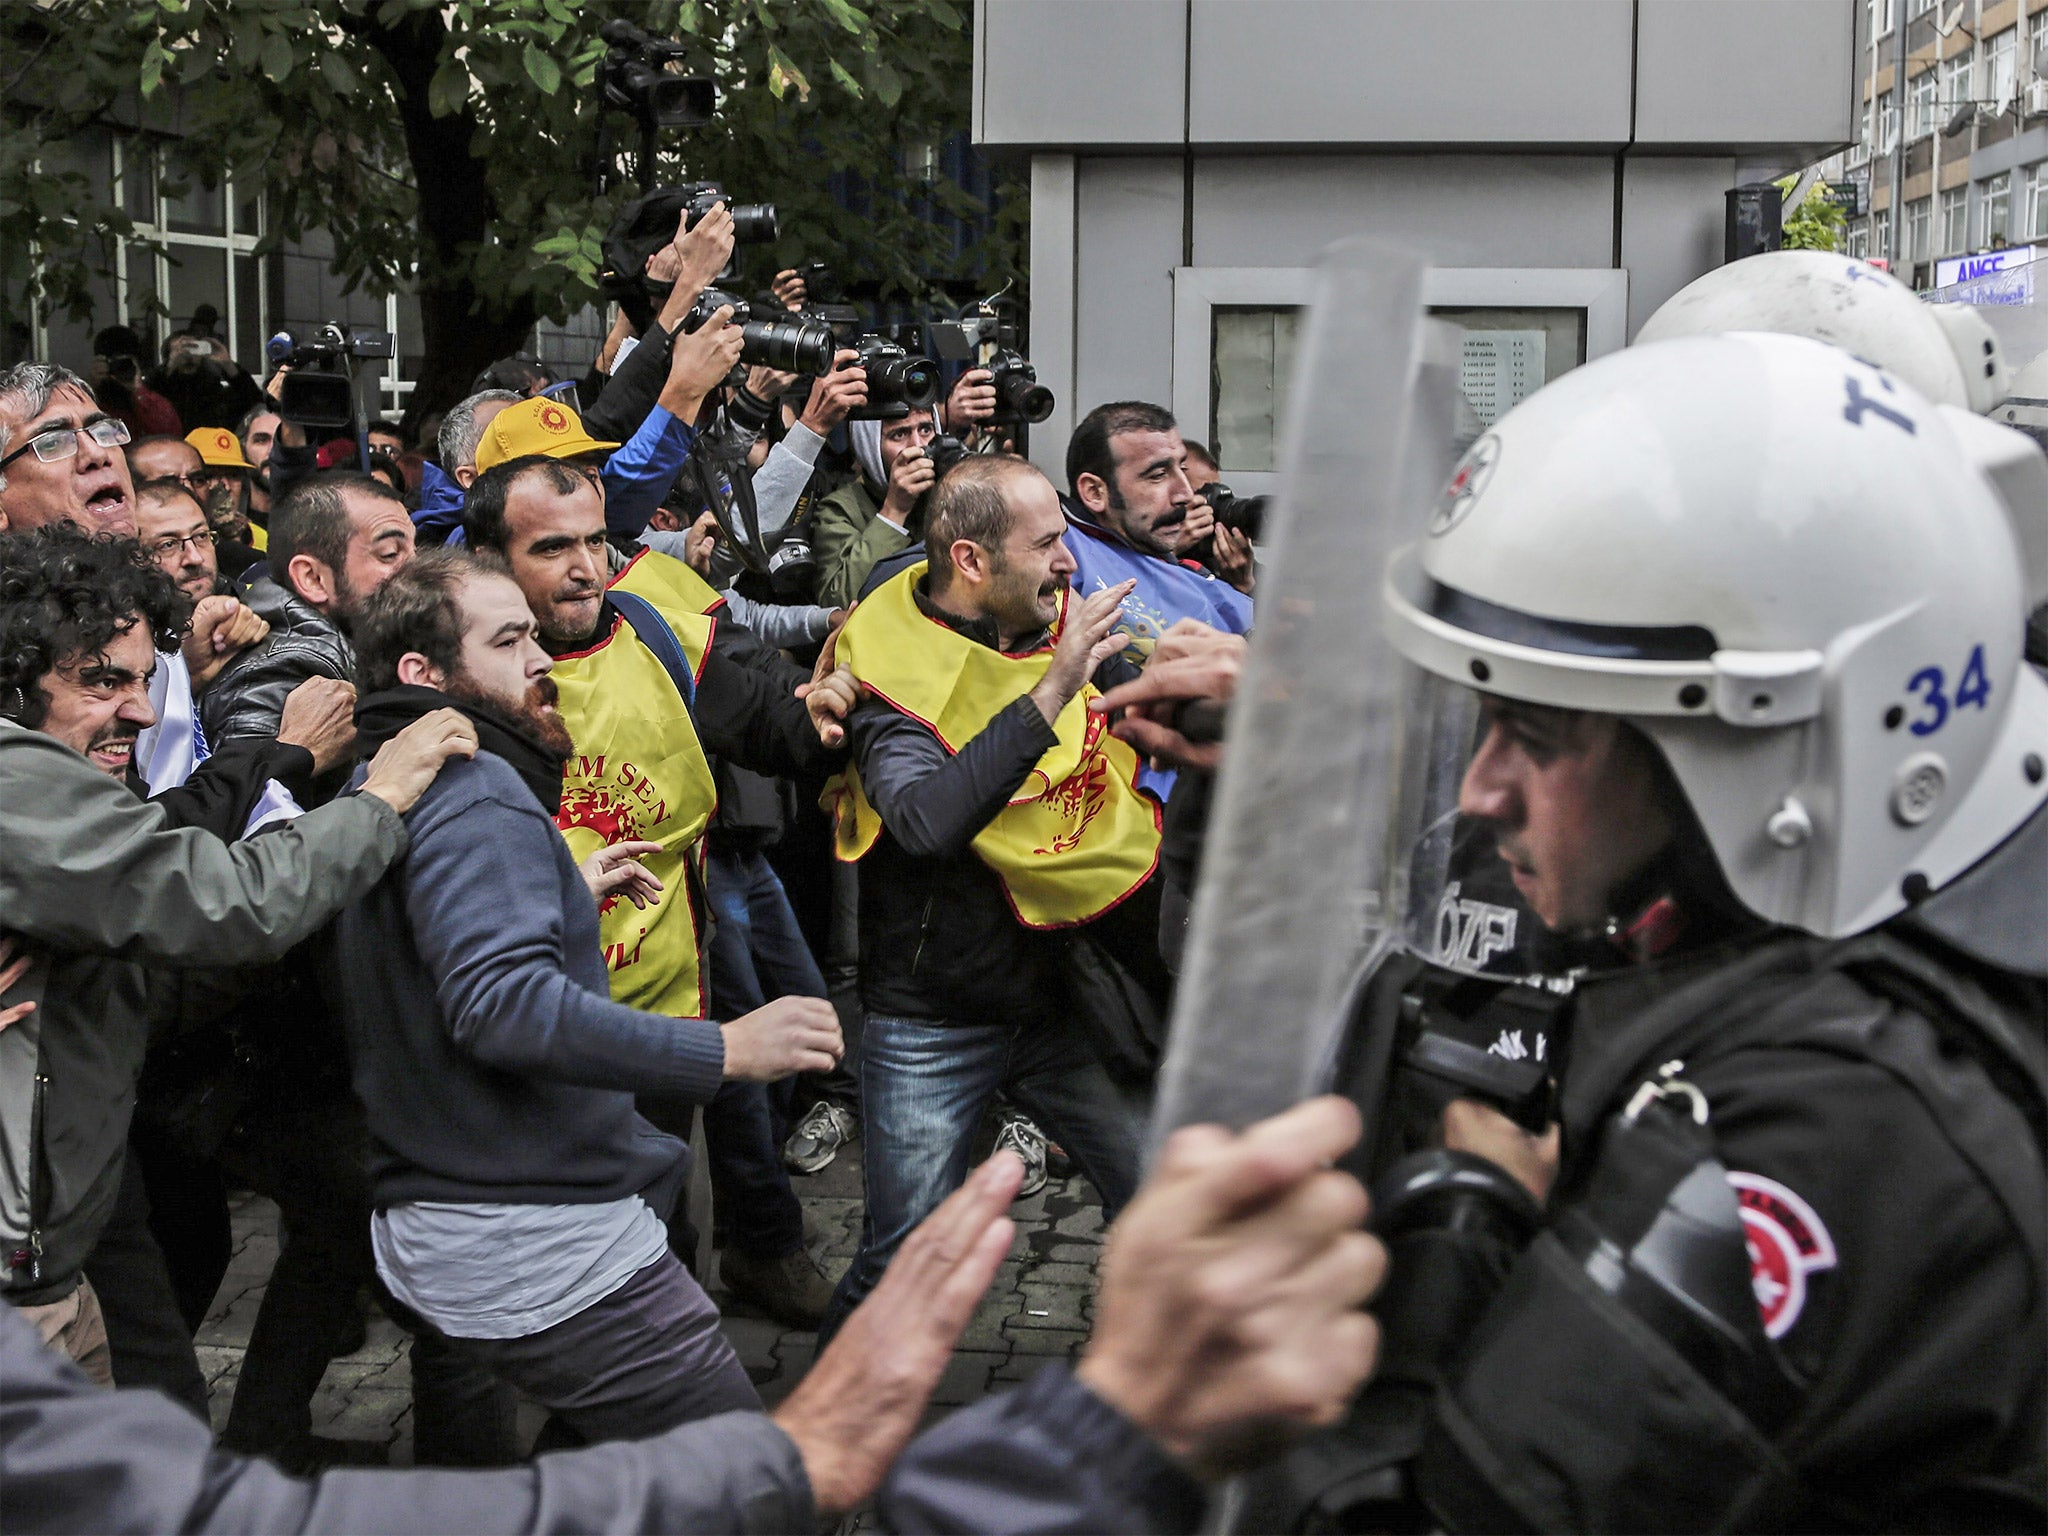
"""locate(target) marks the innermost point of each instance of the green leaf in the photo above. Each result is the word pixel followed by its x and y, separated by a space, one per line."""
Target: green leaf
pixel 839 73
pixel 152 67
pixel 449 89
pixel 888 84
pixel 944 14
pixel 276 56
pixel 341 78
pixel 542 70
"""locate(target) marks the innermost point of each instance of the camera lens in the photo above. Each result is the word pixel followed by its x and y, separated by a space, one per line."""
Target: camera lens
pixel 753 223
pixel 792 346
pixel 1022 395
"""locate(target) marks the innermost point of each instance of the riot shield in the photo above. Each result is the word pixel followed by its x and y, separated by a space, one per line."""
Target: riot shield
pixel 1298 889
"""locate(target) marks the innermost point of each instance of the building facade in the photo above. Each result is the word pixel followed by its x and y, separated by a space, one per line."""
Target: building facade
pixel 1960 129
pixel 1563 162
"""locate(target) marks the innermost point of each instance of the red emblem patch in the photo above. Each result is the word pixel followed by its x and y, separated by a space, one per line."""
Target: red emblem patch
pixel 554 418
pixel 1787 1242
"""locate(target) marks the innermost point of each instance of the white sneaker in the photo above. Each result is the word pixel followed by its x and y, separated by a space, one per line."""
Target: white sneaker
pixel 818 1137
pixel 1016 1134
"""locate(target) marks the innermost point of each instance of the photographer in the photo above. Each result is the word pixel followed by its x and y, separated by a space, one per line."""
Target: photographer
pixel 1133 514
pixel 116 378
pixel 869 518
pixel 204 383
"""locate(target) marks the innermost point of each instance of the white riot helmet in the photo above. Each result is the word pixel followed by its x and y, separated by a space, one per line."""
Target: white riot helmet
pixel 1945 351
pixel 1784 567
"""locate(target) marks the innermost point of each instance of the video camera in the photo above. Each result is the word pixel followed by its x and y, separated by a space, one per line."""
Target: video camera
pixel 635 77
pixel 769 338
pixel 320 389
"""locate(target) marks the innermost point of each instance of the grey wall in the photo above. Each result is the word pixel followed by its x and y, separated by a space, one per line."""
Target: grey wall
pixel 1588 74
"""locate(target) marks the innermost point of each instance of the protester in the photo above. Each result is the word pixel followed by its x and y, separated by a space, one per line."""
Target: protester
pixel 228 482
pixel 334 539
pixel 519 1197
pixel 646 696
pixel 1134 510
pixel 973 680
pixel 60 454
pixel 171 524
pixel 1229 1321
pixel 258 432
pixel 112 898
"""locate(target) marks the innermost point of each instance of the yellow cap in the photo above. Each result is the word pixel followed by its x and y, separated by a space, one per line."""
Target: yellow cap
pixel 218 447
pixel 539 425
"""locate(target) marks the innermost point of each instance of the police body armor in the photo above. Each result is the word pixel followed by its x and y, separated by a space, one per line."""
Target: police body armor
pixel 1482 1416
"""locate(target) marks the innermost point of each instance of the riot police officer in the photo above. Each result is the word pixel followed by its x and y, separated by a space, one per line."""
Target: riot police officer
pixel 1726 889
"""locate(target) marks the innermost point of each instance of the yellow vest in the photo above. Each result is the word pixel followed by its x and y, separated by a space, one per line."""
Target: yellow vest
pixel 639 772
pixel 259 537
pixel 668 583
pixel 1077 836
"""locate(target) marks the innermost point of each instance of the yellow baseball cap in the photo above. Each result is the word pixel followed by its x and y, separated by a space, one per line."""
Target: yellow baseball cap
pixel 539 425
pixel 219 447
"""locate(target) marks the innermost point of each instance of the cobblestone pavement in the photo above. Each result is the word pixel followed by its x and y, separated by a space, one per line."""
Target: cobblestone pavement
pixel 1039 1309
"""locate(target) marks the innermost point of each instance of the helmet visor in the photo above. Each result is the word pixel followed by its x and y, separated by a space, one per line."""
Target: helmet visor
pixel 1457 899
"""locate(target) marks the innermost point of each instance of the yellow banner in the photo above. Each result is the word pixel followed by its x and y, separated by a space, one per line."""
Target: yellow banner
pixel 1077 836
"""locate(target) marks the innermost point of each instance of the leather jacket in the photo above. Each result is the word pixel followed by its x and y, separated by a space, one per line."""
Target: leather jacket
pixel 247 699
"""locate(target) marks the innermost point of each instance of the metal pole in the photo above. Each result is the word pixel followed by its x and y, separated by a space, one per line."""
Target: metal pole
pixel 1898 178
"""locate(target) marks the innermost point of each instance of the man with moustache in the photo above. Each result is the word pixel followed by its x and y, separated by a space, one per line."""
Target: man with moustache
pixel 519 1195
pixel 110 901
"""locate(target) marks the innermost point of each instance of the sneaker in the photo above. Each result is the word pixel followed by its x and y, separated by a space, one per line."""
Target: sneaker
pixel 1016 1134
pixel 791 1289
pixel 818 1137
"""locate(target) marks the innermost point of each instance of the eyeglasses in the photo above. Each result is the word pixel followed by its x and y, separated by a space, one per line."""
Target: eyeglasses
pixel 188 482
pixel 62 442
pixel 175 544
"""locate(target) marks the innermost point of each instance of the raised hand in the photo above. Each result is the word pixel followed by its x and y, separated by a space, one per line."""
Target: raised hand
pixel 1087 640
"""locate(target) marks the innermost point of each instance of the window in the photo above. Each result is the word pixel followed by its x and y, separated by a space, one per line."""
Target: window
pixel 1879 13
pixel 1920 105
pixel 210 236
pixel 1918 9
pixel 1959 86
pixel 1881 238
pixel 2036 227
pixel 1919 228
pixel 1955 221
pixel 1859 239
pixel 2037 39
pixel 1887 122
pixel 2000 56
pixel 1998 209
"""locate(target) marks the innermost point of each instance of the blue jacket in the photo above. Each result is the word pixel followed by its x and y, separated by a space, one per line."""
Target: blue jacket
pixel 639 473
pixel 483 1040
pixel 438 518
pixel 1167 591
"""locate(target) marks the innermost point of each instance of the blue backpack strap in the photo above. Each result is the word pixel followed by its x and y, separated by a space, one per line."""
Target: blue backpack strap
pixel 658 636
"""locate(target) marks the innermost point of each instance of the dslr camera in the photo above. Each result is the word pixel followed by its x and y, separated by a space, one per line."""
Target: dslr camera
pixel 769 337
pixel 320 390
pixel 1244 514
pixel 898 383
pixel 983 339
pixel 648 223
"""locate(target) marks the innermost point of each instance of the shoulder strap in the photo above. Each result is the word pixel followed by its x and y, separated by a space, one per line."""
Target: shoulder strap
pixel 655 633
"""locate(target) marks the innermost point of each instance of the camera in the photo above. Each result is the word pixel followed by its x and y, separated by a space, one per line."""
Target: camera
pixel 897 382
pixel 648 223
pixel 1245 514
pixel 780 340
pixel 752 223
pixel 636 78
pixel 981 338
pixel 320 390
pixel 1019 395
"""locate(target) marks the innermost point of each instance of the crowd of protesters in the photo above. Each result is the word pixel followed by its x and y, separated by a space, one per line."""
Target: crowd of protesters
pixel 424 833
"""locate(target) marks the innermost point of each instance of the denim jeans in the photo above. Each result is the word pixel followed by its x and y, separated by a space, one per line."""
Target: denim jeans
pixel 757 953
pixel 924 1084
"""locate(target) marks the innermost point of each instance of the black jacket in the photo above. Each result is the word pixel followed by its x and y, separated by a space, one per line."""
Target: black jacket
pixel 247 699
pixel 1878 1104
pixel 938 939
